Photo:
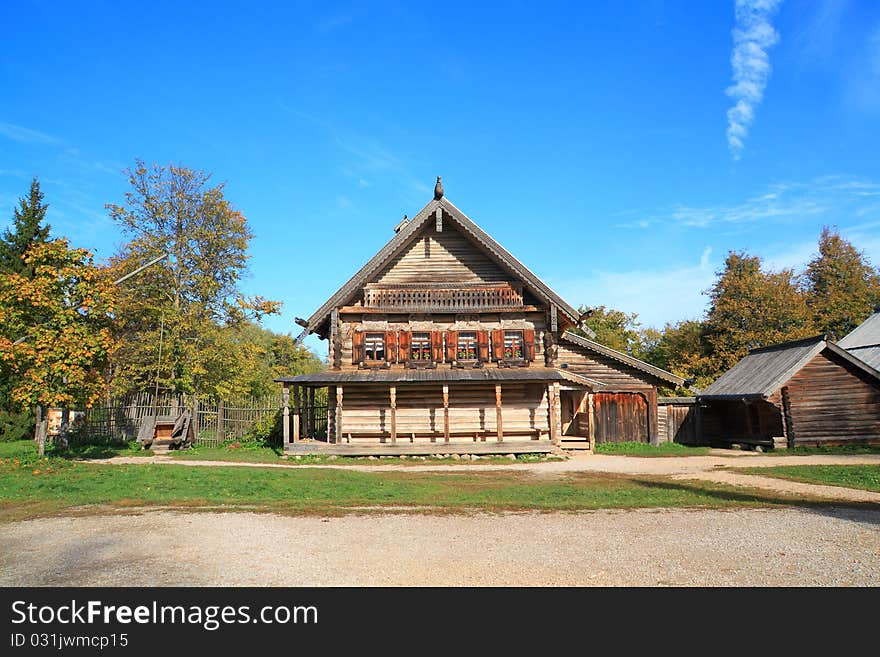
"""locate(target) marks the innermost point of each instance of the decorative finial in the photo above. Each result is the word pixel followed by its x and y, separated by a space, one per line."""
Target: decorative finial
pixel 438 190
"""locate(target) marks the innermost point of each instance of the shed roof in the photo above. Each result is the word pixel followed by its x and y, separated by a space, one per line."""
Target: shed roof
pixel 409 232
pixel 766 370
pixel 863 341
pixel 472 375
pixel 640 365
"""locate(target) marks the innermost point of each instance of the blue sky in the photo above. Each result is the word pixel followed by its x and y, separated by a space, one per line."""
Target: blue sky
pixel 618 149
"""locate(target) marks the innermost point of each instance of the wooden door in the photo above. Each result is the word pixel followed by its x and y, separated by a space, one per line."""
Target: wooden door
pixel 620 417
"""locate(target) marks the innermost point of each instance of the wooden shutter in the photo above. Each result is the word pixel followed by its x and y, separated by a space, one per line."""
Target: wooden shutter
pixel 404 340
pixel 390 346
pixel 529 344
pixel 357 347
pixel 498 344
pixel 451 346
pixel 437 346
pixel 483 346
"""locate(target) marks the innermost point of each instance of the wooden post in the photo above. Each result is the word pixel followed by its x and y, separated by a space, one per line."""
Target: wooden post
pixel 310 414
pixel 592 422
pixel 498 428
pixel 445 414
pixel 553 411
pixel 285 423
pixel 296 407
pixel 393 394
pixel 338 415
pixel 195 419
pixel 39 421
pixel 220 422
pixel 788 420
pixel 653 430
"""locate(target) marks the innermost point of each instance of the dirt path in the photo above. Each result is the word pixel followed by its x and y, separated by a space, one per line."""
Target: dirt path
pixel 714 468
pixel 774 547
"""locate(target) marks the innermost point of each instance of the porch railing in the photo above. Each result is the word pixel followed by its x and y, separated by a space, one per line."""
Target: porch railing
pixel 423 298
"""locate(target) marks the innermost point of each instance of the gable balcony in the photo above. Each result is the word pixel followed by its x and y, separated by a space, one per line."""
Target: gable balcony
pixel 443 297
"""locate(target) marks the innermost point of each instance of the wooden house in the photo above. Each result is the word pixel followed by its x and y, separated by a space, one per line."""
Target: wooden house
pixel 805 392
pixel 445 343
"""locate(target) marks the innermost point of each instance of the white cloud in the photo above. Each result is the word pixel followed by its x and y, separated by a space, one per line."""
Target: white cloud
pixel 658 296
pixel 26 135
pixel 828 199
pixel 753 36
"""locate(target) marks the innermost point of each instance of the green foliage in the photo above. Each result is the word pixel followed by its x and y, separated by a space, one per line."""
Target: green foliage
pixel 842 287
pixel 27 230
pixel 750 308
pixel 16 425
pixel 615 329
pixel 54 328
pixel 189 303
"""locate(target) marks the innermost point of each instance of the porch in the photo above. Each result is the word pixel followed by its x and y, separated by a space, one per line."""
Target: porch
pixel 419 412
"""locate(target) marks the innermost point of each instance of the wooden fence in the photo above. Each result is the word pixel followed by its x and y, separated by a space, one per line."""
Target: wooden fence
pixel 214 421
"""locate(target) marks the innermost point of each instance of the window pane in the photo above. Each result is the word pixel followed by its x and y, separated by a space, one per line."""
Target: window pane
pixel 467 346
pixel 374 346
pixel 513 344
pixel 421 347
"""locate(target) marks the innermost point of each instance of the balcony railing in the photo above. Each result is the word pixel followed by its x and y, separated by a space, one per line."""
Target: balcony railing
pixel 426 298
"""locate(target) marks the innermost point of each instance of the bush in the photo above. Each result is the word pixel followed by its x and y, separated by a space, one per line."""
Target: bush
pixel 16 425
pixel 266 432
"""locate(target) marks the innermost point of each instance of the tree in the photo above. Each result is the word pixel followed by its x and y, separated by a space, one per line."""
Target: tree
pixel 615 329
pixel 751 308
pixel 55 336
pixel 841 285
pixel 682 349
pixel 185 302
pixel 27 230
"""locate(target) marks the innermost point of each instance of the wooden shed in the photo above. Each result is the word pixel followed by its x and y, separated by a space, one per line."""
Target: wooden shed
pixel 805 392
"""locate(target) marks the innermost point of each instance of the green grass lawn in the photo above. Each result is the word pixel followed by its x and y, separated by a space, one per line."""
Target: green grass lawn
pixel 32 487
pixel 831 449
pixel 865 477
pixel 254 454
pixel 644 449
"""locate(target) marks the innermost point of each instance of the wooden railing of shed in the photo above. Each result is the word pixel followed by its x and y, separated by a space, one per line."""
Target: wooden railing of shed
pixel 440 298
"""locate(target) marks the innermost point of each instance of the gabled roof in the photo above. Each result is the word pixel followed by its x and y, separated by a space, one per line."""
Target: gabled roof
pixel 863 341
pixel 766 370
pixel 623 358
pixel 409 232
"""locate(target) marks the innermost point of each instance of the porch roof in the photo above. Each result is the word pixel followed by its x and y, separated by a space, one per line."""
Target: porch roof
pixel 471 375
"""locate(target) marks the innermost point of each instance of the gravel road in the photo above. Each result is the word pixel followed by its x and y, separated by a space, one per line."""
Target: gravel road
pixel 773 547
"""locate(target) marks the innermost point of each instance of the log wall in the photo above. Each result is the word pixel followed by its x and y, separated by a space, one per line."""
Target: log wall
pixel 831 401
